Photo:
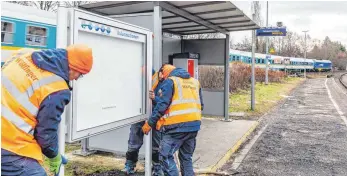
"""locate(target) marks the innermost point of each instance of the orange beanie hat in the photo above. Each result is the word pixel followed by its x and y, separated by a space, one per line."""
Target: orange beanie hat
pixel 80 58
pixel 167 69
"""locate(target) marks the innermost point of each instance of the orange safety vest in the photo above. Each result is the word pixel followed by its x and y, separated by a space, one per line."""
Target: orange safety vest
pixel 24 87
pixel 155 80
pixel 185 105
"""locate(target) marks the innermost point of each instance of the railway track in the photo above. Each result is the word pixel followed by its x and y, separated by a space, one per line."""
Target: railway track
pixel 341 79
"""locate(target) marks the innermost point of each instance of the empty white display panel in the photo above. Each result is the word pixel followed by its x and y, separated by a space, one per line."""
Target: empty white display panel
pixel 113 94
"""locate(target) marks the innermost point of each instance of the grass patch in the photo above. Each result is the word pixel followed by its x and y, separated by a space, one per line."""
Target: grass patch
pixel 72 147
pixel 266 96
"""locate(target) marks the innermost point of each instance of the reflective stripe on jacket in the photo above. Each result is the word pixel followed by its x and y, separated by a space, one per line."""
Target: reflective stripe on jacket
pixel 185 105
pixel 155 80
pixel 24 87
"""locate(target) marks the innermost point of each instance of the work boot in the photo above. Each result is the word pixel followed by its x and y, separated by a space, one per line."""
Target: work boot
pixel 129 168
pixel 156 170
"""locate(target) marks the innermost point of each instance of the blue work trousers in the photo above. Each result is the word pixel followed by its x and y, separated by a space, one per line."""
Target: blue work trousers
pixel 185 143
pixel 136 140
pixel 15 165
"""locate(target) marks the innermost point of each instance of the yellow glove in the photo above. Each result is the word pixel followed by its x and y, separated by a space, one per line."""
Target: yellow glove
pixel 146 128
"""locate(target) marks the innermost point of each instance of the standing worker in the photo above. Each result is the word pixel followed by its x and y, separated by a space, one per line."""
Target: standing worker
pixel 177 115
pixel 35 90
pixel 136 137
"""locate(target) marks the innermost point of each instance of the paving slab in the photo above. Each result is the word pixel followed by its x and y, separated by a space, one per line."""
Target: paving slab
pixel 216 138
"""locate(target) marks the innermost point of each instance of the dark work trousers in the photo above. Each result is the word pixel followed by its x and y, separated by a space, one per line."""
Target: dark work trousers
pixel 15 165
pixel 185 143
pixel 136 140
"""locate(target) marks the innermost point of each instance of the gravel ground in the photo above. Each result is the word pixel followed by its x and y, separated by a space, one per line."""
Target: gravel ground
pixel 305 136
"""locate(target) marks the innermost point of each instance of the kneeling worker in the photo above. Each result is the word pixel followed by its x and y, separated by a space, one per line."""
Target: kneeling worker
pixel 136 137
pixel 35 90
pixel 177 115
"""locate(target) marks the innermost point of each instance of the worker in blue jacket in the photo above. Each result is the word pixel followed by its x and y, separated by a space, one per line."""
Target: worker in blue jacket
pixel 177 114
pixel 136 137
pixel 35 90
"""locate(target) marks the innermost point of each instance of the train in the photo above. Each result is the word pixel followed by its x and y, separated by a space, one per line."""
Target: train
pixel 26 27
pixel 281 63
pixel 29 27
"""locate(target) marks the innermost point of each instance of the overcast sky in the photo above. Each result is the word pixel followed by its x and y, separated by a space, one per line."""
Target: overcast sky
pixel 321 18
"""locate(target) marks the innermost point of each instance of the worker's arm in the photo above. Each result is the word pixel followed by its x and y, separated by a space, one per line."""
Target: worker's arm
pixel 156 99
pixel 48 119
pixel 162 103
pixel 201 101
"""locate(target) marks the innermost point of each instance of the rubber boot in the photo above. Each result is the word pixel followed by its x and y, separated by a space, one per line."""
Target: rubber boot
pixel 129 168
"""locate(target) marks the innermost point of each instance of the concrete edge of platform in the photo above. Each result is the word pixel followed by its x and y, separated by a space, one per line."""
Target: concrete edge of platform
pixel 231 151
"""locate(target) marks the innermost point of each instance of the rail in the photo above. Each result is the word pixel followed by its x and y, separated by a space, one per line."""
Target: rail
pixel 340 79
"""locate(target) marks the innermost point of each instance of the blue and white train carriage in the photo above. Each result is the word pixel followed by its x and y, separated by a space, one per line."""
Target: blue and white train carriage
pixel 322 65
pixel 25 27
pixel 280 62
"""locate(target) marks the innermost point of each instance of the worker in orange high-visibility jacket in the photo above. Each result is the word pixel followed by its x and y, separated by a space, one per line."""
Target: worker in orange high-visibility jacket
pixel 35 90
pixel 177 114
pixel 136 137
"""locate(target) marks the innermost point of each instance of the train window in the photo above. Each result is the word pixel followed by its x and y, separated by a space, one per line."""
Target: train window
pixel 36 36
pixel 7 32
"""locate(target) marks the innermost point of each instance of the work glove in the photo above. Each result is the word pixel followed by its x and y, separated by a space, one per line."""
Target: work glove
pixel 160 123
pixel 146 128
pixel 55 163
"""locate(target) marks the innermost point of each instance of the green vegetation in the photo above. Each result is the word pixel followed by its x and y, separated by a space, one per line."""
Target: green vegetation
pixel 96 163
pixel 266 96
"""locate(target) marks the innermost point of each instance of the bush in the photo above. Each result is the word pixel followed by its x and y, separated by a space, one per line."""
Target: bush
pixel 212 77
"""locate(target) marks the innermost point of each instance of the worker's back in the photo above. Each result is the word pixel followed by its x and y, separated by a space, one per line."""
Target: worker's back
pixel 24 87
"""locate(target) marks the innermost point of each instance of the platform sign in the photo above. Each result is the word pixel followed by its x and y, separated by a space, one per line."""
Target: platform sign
pixel 271 32
pixel 113 94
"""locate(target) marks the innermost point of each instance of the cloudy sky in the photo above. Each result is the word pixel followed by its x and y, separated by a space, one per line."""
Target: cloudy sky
pixel 321 18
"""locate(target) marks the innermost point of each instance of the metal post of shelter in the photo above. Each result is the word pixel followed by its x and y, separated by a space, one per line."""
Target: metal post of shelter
pixel 253 70
pixel 84 148
pixel 62 24
pixel 157 62
pixel 157 32
pixel 267 46
pixel 226 78
pixel 148 154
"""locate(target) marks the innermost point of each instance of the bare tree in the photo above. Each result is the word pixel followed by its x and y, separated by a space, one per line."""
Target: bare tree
pixel 245 45
pixel 77 3
pixel 259 42
pixel 50 5
pixel 43 5
pixel 25 3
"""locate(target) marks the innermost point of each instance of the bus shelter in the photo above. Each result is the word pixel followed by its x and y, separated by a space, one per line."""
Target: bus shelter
pixel 181 19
